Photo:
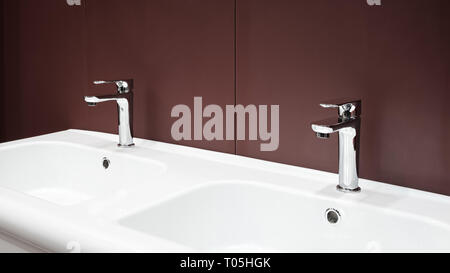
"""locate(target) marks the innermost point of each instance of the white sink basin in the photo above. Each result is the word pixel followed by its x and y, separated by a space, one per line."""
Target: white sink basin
pixel 55 195
pixel 250 217
pixel 67 174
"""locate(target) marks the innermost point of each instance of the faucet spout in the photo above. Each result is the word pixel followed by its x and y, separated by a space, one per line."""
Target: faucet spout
pixel 91 104
pixel 323 136
pixel 93 101
pixel 98 99
pixel 333 125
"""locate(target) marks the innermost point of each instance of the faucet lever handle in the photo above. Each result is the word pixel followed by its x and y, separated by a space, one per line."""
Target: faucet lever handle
pixel 123 86
pixel 347 107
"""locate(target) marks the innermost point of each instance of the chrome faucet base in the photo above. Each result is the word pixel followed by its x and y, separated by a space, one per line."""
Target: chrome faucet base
pixel 347 190
pixel 126 146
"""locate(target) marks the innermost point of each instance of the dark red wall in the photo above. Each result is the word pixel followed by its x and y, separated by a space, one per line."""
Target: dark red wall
pixel 292 53
pixel 44 67
pixel 173 49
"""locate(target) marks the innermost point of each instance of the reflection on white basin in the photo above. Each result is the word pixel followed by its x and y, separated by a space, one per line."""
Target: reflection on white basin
pixel 67 174
pixel 251 217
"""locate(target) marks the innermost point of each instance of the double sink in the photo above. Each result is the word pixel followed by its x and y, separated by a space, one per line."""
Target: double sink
pixel 76 187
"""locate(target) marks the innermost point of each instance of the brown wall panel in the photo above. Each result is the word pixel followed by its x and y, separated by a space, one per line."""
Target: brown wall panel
pixel 297 54
pixel 44 70
pixel 393 57
pixel 174 50
pixel 408 124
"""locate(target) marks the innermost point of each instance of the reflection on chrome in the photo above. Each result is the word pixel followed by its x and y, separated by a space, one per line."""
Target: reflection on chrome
pixel 124 99
pixel 348 125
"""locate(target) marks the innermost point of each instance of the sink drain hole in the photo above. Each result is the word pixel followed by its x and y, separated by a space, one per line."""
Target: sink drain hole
pixel 333 216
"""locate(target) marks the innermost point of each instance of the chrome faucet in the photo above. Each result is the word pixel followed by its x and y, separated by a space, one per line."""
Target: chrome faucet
pixel 348 124
pixel 124 99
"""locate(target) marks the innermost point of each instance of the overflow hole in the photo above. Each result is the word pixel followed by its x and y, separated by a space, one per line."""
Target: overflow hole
pixel 106 163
